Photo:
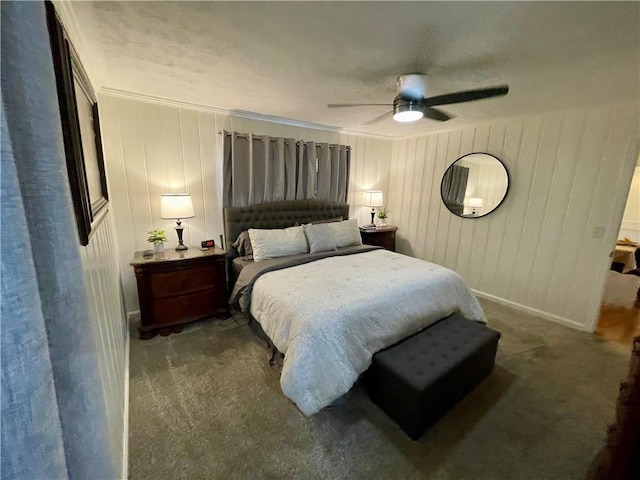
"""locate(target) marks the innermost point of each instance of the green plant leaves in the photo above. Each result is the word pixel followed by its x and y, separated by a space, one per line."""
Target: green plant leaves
pixel 156 236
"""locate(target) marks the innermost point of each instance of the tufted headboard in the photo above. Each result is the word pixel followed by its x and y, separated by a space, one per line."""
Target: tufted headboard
pixel 278 215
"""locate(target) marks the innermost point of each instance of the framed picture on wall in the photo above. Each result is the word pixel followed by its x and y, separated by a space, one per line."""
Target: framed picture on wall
pixel 80 131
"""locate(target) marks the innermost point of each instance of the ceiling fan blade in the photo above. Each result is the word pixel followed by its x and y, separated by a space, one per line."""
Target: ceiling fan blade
pixel 467 96
pixel 341 105
pixel 435 114
pixel 378 118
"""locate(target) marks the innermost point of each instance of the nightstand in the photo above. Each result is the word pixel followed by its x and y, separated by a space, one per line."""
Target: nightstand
pixel 178 287
pixel 381 236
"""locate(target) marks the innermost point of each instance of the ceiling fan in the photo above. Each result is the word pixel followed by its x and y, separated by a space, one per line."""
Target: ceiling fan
pixel 411 104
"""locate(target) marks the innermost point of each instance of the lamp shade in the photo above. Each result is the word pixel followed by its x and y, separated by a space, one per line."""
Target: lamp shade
pixel 373 198
pixel 176 205
pixel 475 202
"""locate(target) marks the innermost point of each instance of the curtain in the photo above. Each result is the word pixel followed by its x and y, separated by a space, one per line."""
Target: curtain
pixel 54 421
pixel 333 172
pixel 454 185
pixel 259 169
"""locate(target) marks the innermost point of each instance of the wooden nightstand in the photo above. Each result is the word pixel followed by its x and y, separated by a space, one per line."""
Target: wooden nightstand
pixel 381 236
pixel 175 288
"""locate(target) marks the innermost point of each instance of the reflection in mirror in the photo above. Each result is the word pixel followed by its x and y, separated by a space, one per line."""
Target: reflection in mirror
pixel 474 185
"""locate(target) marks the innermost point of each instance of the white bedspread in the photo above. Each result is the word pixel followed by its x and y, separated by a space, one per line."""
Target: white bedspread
pixel 330 316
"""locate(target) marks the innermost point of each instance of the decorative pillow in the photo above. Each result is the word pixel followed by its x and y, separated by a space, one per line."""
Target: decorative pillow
pixel 277 242
pixel 320 238
pixel 243 245
pixel 346 233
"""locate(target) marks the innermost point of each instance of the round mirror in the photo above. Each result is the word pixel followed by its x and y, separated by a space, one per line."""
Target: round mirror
pixel 474 185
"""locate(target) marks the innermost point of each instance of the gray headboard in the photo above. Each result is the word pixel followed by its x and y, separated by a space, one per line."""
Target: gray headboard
pixel 278 215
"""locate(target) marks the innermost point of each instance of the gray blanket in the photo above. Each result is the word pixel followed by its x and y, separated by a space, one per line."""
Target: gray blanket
pixel 241 294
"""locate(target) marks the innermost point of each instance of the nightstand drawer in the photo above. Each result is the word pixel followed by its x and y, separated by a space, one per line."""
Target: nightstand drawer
pixel 185 307
pixel 179 282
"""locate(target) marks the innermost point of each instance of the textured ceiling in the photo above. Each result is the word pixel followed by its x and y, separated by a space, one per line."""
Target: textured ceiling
pixel 289 59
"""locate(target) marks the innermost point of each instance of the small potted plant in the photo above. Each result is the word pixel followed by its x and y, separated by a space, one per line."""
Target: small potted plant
pixel 382 215
pixel 157 237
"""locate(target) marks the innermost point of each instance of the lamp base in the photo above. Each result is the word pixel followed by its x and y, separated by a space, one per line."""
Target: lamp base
pixel 373 214
pixel 179 228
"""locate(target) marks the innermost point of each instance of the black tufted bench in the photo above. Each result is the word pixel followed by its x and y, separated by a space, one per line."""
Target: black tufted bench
pixel 419 379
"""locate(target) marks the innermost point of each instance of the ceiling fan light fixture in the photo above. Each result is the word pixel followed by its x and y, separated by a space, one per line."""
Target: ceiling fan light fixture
pixel 406 111
pixel 411 103
pixel 407 116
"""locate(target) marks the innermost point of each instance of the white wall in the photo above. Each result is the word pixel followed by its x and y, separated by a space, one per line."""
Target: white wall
pixel 569 173
pixel 152 149
pixel 370 166
pixel 630 227
pixel 106 314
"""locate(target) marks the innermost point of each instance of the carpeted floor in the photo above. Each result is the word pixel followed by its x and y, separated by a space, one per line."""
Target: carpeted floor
pixel 204 404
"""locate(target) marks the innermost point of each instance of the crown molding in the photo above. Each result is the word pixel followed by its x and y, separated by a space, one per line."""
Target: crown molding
pixel 69 21
pixel 346 131
pixel 141 97
pixel 518 117
pixel 112 92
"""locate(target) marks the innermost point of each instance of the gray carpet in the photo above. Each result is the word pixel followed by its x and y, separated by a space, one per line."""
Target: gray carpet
pixel 204 404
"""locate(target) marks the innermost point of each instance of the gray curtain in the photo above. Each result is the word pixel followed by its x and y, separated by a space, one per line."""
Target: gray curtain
pixel 259 169
pixel 333 172
pixel 454 186
pixel 53 411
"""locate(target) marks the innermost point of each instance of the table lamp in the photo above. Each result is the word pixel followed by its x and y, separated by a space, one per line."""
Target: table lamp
pixel 176 206
pixel 474 203
pixel 373 199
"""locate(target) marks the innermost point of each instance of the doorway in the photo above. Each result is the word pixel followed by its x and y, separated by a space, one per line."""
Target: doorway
pixel 619 315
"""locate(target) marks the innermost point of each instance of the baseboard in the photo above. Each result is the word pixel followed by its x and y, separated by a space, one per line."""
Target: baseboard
pixel 534 311
pixel 130 315
pixel 125 430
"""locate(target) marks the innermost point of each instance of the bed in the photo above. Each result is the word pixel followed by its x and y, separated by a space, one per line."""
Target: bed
pixel 329 312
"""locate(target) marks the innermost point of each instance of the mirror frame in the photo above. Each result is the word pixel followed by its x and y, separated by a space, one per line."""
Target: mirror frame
pixel 506 171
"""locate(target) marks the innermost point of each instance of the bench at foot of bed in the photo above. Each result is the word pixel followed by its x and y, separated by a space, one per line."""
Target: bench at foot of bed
pixel 419 379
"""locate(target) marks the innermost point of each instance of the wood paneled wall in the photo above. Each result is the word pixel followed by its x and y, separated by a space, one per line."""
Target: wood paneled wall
pixel 152 149
pixel 543 250
pixel 546 248
pixel 108 322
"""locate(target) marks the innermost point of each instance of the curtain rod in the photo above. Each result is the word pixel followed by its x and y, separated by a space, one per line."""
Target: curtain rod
pixel 257 137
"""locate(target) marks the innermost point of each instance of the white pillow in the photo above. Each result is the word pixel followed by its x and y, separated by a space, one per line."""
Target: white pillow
pixel 277 243
pixel 320 238
pixel 346 233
